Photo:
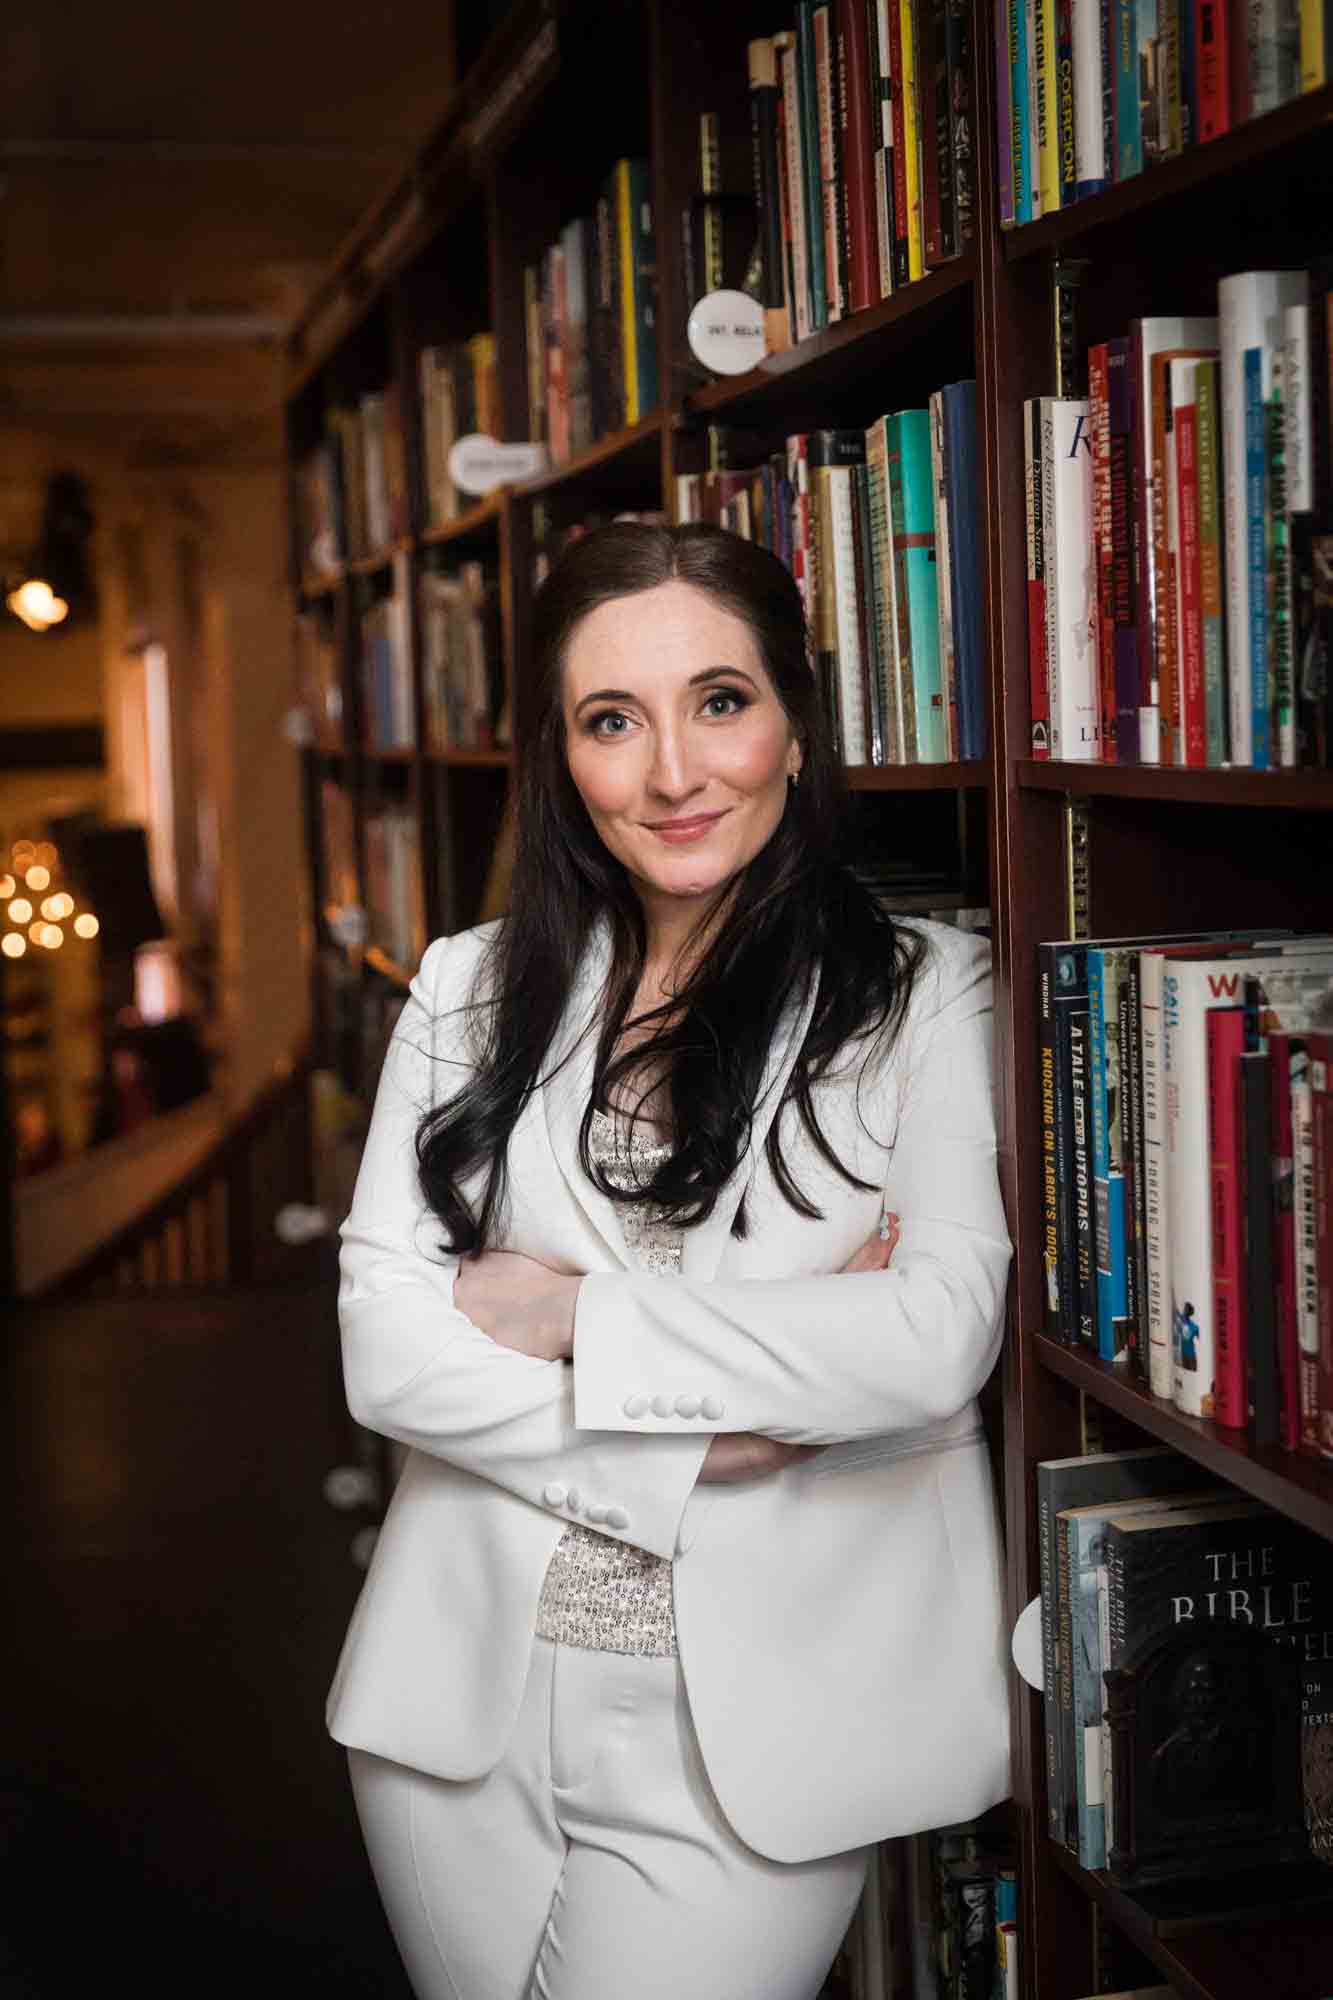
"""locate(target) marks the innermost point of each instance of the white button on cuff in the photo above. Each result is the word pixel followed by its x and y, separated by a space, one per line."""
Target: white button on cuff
pixel 687 1406
pixel 594 1512
pixel 636 1406
pixel 663 1406
pixel 616 1517
pixel 573 1500
pixel 712 1407
pixel 554 1494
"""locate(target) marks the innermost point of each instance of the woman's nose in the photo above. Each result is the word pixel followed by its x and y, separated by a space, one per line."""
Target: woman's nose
pixel 670 773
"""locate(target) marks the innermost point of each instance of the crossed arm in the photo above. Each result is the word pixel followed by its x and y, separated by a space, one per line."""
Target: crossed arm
pixel 522 1305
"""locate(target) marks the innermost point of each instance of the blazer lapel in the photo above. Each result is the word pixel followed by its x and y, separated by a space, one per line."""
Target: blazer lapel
pixel 704 1246
pixel 566 1089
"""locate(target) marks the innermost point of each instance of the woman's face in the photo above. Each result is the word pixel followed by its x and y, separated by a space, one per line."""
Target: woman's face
pixel 677 742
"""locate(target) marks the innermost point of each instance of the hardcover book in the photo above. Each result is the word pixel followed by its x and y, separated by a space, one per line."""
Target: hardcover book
pixel 1212 1616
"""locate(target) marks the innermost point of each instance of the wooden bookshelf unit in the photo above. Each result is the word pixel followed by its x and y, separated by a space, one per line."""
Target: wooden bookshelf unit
pixel 526 142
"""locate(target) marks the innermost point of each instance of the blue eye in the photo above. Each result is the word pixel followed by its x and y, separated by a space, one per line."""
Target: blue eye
pixel 610 722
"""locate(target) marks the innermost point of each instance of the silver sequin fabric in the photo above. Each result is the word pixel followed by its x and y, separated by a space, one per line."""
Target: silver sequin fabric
pixel 601 1593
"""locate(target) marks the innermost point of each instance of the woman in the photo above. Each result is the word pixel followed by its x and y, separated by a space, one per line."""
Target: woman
pixel 689 1591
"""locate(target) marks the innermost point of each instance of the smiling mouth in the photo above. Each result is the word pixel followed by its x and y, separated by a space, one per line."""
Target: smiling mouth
pixel 684 829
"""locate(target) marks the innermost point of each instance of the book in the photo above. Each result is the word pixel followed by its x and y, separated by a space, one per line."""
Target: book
pixel 1206 1591
pixel 1070 581
pixel 961 481
pixel 1191 987
pixel 1081 1530
pixel 1063 1483
pixel 1149 338
pixel 1250 306
pixel 1226 1046
pixel 912 517
pixel 1039 676
pixel 1264 1359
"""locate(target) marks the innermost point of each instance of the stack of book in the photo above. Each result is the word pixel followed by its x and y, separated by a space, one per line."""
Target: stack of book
pixel 1091 92
pixel 462 668
pixel 962 1912
pixel 1180 538
pixel 386 661
pixel 550 539
pixel 1140 1553
pixel 318 512
pixel 590 320
pixel 1187 1140
pixel 459 388
pixel 879 527
pixel 864 171
pixel 337 858
pixel 319 670
pixel 372 472
pixel 395 908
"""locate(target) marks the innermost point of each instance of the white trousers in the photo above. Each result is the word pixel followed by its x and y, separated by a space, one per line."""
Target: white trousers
pixel 593 1861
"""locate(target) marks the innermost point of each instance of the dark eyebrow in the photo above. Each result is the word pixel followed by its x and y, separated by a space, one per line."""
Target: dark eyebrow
pixel 695 680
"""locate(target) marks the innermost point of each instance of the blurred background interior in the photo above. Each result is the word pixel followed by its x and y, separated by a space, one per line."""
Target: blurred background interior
pixel 173 182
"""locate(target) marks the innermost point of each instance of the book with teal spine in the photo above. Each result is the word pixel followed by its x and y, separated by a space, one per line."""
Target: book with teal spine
pixel 912 504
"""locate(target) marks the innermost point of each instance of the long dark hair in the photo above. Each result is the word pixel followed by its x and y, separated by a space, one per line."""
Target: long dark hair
pixel 796 908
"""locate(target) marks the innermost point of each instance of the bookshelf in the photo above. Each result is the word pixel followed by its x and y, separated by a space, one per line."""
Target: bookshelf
pixel 525 143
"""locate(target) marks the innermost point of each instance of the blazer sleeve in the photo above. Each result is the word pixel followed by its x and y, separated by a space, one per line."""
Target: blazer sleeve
pixel 418 1370
pixel 813 1360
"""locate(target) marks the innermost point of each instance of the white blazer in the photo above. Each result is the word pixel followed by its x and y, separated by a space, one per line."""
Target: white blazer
pixel 840 1623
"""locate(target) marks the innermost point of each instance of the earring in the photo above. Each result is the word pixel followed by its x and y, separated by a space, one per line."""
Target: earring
pixel 792 777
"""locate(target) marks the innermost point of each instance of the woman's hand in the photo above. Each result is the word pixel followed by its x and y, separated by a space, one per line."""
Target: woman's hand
pixel 519 1303
pixel 735 1455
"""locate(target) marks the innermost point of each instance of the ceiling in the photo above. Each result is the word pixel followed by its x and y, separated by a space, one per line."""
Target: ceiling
pixel 195 162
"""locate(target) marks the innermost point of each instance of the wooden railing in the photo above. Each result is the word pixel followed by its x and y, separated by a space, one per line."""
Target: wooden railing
pixel 216 1226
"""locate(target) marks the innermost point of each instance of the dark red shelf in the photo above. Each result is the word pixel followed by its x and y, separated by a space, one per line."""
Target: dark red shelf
pixel 821 358
pixel 1288 1954
pixel 916 777
pixel 1247 145
pixel 1303 791
pixel 1299 1487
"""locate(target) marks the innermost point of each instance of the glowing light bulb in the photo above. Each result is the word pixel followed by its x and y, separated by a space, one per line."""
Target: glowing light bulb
pixel 86 925
pixel 62 904
pixel 13 944
pixel 37 877
pixel 37 605
pixel 7 885
pixel 52 936
pixel 20 910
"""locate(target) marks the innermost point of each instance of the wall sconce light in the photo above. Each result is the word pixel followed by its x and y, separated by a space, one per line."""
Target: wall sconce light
pixel 37 605
pixel 55 582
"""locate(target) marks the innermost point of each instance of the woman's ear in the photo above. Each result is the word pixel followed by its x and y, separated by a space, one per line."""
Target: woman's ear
pixel 795 758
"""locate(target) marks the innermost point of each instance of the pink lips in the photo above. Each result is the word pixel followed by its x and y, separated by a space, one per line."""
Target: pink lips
pixel 677 831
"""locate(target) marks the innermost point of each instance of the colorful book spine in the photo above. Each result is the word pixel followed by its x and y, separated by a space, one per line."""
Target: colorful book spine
pixel 1124 626
pixel 1106 1081
pixel 1039 678
pixel 1104 548
pixel 1021 110
pixel 1211 634
pixel 1070 586
pixel 1004 116
pixel 1212 66
pixel 1319 1047
pixel 1226 1045
pixel 911 103
pixel 910 490
pixel 1085 98
pixel 1256 555
pixel 1189 622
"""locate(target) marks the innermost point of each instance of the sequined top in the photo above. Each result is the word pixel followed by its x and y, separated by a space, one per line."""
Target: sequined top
pixel 599 1592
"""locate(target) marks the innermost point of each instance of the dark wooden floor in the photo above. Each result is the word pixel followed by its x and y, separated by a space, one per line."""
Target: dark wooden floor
pixel 172 1814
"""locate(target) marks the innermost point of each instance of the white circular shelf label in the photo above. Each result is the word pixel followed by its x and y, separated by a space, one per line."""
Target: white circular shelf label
pixel 1025 1645
pixel 478 464
pixel 726 332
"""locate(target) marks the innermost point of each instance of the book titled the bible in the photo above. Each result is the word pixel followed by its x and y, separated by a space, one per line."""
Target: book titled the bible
pixel 1213 1616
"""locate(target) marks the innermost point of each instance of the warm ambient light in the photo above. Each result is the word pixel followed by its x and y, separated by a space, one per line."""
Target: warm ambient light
pixel 47 853
pixel 52 937
pixel 7 885
pixel 58 906
pixel 37 605
pixel 23 852
pixel 20 910
pixel 87 925
pixel 37 877
pixel 12 945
